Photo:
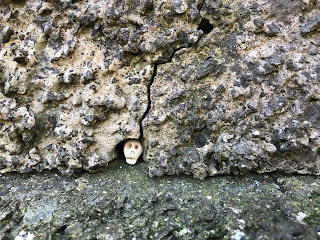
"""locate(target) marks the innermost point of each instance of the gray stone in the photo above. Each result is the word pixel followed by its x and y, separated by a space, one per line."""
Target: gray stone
pixel 312 25
pixel 123 202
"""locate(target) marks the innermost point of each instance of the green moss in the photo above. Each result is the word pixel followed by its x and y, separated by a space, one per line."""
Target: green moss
pixel 313 219
pixel 139 206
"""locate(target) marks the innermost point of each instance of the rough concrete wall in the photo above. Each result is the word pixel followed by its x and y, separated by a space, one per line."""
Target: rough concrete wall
pixel 209 87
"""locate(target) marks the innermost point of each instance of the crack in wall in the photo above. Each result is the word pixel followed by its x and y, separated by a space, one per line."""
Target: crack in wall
pixel 155 67
pixel 154 74
pixel 205 27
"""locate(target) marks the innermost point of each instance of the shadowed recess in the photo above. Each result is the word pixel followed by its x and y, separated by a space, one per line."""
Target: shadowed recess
pixel 119 149
pixel 205 26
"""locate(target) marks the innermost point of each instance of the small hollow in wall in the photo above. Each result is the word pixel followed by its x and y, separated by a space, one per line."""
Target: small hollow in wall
pixel 205 26
pixel 119 150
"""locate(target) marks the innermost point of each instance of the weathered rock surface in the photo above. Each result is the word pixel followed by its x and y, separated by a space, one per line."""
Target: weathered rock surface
pixel 123 202
pixel 210 87
pixel 75 75
pixel 244 98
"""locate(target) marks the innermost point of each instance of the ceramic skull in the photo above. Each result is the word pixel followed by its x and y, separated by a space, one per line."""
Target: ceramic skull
pixel 132 150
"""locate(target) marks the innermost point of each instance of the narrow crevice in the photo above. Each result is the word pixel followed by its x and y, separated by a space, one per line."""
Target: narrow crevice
pixel 155 67
pixel 154 74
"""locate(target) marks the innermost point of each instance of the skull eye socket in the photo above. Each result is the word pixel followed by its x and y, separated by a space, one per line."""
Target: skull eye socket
pixel 129 145
pixel 136 146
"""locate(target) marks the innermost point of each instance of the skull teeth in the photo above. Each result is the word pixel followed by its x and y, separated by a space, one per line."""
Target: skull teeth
pixel 131 161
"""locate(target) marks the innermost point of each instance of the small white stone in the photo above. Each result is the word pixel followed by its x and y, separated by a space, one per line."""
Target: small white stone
pixel 301 216
pixel 242 221
pixel 226 137
pixel 184 231
pixel 180 6
pixel 24 236
pixel 269 147
pixel 238 235
pixel 155 224
pixel 235 210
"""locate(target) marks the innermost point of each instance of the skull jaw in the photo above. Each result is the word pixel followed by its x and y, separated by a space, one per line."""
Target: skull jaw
pixel 131 161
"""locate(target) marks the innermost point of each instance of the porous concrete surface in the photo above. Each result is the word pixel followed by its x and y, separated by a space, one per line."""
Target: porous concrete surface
pixel 72 86
pixel 244 98
pixel 123 202
pixel 209 87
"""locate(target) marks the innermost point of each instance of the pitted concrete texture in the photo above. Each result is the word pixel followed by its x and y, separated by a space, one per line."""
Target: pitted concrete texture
pixel 208 87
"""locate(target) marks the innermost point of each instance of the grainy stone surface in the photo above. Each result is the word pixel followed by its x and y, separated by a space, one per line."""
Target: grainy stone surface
pixel 75 76
pixel 244 98
pixel 123 202
pixel 209 87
